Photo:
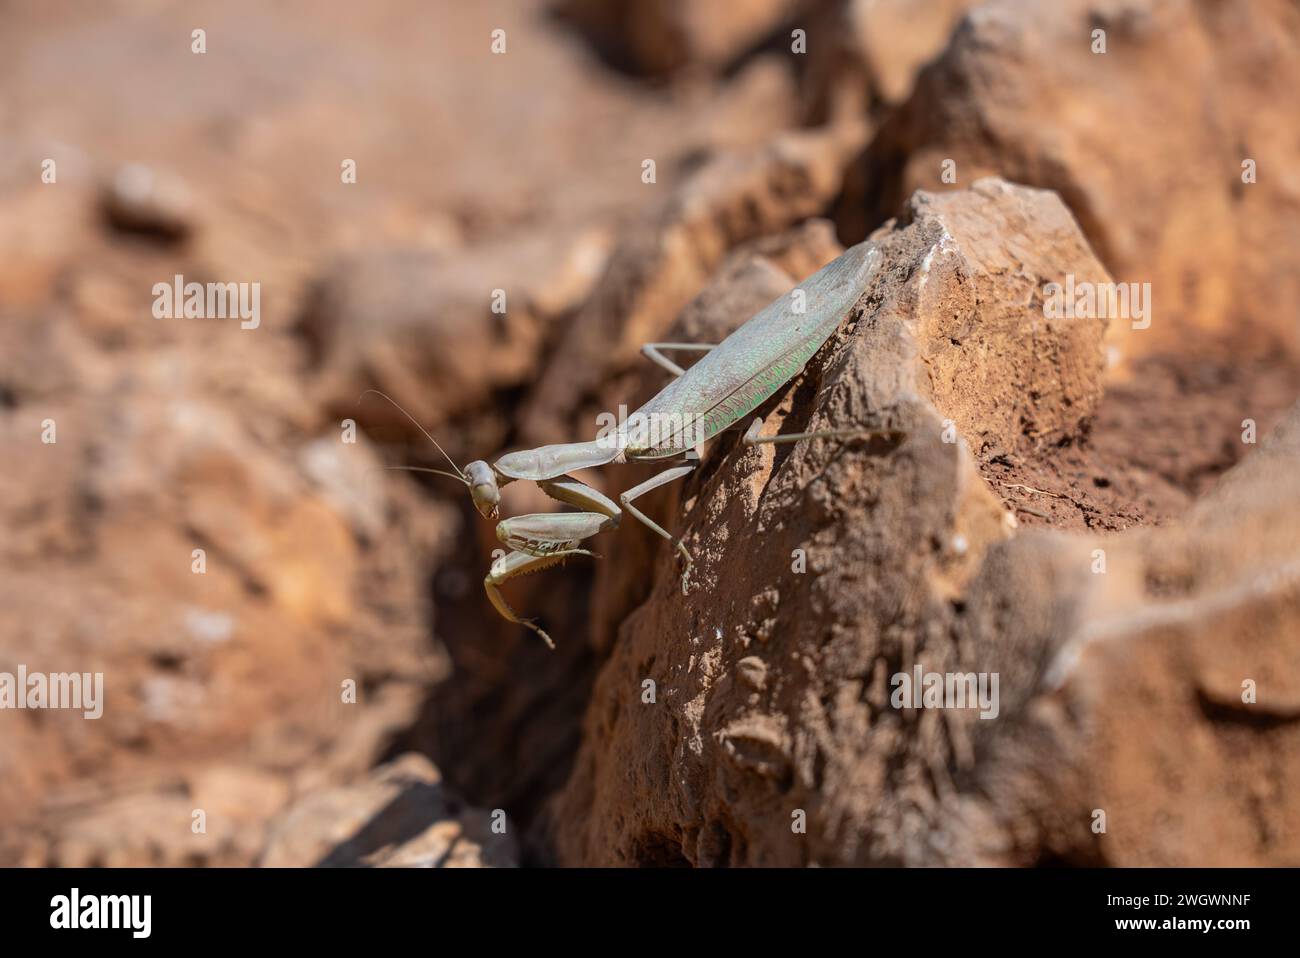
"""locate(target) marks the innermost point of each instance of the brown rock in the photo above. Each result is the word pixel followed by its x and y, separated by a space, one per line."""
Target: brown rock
pixel 1145 681
pixel 1145 143
pixel 438 334
pixel 714 771
pixel 142 200
pixel 1157 687
pixel 662 36
pixel 400 817
pixel 866 54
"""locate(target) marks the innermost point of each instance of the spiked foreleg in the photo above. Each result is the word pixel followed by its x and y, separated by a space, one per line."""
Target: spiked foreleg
pixel 545 533
pixel 512 565
pixel 544 539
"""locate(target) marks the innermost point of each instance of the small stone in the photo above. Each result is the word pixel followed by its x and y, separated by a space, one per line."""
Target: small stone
pixel 141 200
pixel 752 671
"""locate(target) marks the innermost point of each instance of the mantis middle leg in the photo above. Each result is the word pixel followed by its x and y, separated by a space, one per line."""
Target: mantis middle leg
pixel 652 353
pixel 665 477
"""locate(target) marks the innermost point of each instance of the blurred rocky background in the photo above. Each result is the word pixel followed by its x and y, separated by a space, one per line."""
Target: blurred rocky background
pixel 990 148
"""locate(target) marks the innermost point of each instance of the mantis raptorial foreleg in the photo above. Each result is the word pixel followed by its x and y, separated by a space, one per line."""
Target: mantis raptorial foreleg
pixel 546 533
pixel 543 539
pixel 571 492
pixel 651 352
pixel 625 498
pixel 514 564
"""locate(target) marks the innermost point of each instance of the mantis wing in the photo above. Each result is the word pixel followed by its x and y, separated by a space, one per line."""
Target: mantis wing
pixel 760 357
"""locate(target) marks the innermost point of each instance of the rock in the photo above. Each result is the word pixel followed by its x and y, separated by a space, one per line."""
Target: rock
pixel 139 199
pixel 441 335
pixel 1158 702
pixel 890 540
pixel 243 644
pixel 866 54
pixel 401 816
pixel 321 569
pixel 1020 93
pixel 1142 677
pixel 663 36
pixel 1100 533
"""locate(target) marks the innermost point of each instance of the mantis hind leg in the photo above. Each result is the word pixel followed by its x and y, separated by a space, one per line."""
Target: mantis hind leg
pixel 514 564
pixel 625 499
pixel 888 438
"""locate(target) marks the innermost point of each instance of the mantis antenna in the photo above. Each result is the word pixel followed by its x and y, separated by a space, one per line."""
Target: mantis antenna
pixel 459 475
pixel 437 472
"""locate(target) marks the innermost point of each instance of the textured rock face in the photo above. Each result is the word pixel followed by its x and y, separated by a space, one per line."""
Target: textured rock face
pixel 1158 688
pixel 1160 125
pixel 822 568
pixel 1076 506
pixel 223 687
pixel 772 737
pixel 865 54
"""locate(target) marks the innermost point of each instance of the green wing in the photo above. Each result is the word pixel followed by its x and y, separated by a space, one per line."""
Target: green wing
pixel 740 373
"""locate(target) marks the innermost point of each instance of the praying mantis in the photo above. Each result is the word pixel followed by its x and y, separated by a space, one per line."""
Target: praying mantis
pixel 731 380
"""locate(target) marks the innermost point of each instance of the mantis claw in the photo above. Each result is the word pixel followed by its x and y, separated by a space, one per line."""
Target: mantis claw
pixel 532 624
pixel 686 572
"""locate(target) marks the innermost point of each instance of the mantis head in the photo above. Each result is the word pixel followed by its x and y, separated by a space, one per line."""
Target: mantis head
pixel 478 475
pixel 482 482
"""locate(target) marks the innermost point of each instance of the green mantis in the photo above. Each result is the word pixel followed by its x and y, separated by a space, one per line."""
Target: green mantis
pixel 731 380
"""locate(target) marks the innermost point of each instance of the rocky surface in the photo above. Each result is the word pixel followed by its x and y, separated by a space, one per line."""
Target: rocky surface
pixel 176 435
pixel 400 817
pixel 771 696
pixel 1103 515
pixel 1162 122
pixel 666 36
